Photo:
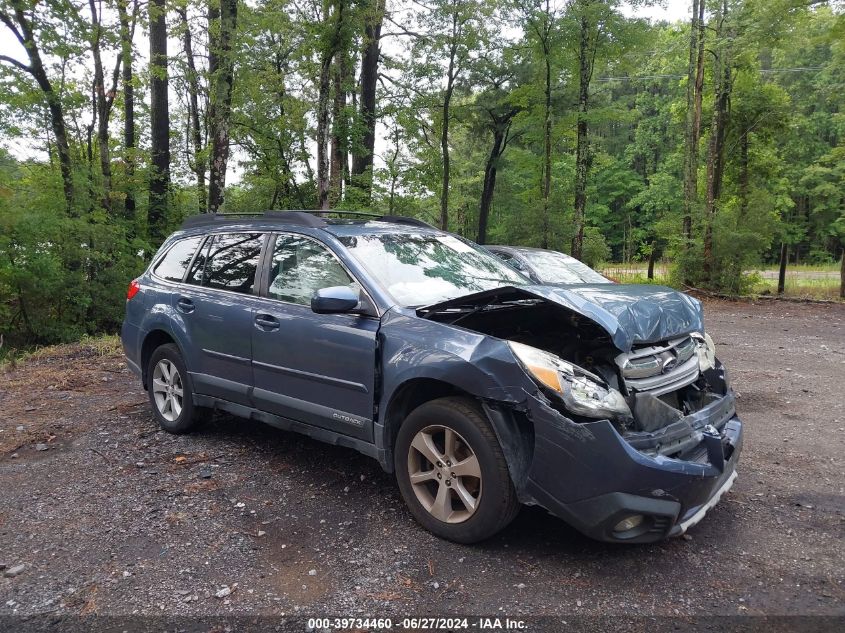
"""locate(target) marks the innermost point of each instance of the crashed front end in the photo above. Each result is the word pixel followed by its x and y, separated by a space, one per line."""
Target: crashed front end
pixel 633 441
pixel 616 481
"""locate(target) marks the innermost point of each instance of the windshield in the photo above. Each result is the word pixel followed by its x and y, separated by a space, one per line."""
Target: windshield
pixel 428 268
pixel 557 268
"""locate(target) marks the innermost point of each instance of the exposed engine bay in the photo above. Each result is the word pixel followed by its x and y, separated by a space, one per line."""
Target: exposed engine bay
pixel 662 396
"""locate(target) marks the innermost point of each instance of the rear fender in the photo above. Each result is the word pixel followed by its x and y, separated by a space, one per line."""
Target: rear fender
pixel 163 317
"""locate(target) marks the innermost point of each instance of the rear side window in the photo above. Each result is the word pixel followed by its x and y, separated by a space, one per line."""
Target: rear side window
pixel 230 262
pixel 176 261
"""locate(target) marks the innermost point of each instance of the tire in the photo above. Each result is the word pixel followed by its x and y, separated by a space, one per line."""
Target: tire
pixel 180 415
pixel 440 498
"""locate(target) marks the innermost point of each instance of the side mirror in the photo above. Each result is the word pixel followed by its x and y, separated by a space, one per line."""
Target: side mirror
pixel 335 300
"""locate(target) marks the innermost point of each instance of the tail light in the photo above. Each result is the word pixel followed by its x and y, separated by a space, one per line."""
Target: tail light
pixel 133 289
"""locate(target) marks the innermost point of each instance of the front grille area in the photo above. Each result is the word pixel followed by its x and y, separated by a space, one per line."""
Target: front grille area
pixel 660 368
pixel 660 525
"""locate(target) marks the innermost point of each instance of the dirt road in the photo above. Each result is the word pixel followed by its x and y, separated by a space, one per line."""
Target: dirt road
pixel 109 515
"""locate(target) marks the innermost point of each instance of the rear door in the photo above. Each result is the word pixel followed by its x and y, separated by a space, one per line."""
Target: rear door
pixel 314 368
pixel 216 305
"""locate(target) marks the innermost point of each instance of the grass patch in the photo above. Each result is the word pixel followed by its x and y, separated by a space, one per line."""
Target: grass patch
pixel 637 278
pixel 103 345
pixel 801 288
pixel 818 268
pixel 803 281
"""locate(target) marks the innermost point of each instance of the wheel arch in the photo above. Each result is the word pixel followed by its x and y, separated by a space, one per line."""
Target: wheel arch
pixel 152 341
pixel 405 398
pixel 513 429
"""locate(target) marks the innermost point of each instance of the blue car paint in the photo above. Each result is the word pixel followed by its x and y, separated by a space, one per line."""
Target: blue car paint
pixel 586 473
pixel 628 313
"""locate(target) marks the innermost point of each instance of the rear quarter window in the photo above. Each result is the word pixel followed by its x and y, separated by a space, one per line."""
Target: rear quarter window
pixel 231 262
pixel 174 264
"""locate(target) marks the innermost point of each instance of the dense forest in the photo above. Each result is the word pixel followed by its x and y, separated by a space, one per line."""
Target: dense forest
pixel 716 143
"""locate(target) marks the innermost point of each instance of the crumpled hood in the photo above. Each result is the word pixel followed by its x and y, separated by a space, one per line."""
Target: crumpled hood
pixel 630 313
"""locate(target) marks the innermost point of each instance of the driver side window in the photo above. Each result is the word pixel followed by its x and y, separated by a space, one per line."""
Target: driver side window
pixel 300 266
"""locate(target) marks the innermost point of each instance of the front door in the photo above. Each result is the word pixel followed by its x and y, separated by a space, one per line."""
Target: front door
pixel 314 368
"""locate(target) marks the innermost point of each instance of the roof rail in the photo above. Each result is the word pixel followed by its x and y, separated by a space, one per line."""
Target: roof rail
pixel 213 218
pixel 402 219
pixel 309 218
pixel 302 218
pixel 366 214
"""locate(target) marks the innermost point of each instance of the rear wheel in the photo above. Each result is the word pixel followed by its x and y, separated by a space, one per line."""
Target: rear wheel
pixel 452 472
pixel 170 390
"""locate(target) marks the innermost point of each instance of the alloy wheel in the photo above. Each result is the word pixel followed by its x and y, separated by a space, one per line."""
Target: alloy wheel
pixel 445 474
pixel 167 389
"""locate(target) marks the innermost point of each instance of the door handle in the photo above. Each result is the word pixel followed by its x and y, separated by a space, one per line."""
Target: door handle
pixel 266 322
pixel 185 305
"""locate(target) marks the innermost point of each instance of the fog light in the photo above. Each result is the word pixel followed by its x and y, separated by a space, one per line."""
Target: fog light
pixel 629 523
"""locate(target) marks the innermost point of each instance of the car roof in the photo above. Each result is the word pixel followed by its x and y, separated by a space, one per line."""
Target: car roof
pixel 370 227
pixel 527 249
pixel 350 222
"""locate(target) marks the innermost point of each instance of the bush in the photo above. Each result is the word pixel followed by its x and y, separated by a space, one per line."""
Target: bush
pixel 595 249
pixel 60 277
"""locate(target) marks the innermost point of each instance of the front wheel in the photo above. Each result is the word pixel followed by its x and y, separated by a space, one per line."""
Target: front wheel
pixel 170 390
pixel 452 472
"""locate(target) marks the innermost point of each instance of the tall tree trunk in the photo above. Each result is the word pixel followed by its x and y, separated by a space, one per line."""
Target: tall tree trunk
pixel 444 129
pixel 444 150
pixel 695 79
pixel 582 148
pixel 322 133
pixel 126 33
pixel 194 111
pixel 221 67
pixel 716 149
pixel 489 186
pixel 652 257
pixel 743 173
pixel 362 159
pixel 339 140
pixel 102 106
pixel 500 131
pixel 333 11
pixel 393 170
pixel 784 255
pixel 159 123
pixel 842 272
pixel 451 77
pixel 547 142
pixel 289 178
pixel 23 31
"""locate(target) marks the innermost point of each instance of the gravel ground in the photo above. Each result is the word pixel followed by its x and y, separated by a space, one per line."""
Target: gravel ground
pixel 110 516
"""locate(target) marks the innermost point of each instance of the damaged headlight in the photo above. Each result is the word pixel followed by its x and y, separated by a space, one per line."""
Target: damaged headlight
pixel 707 356
pixel 706 350
pixel 582 392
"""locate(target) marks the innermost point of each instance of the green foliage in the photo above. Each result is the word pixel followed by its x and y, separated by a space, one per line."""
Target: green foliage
pixel 64 265
pixel 596 250
pixel 60 277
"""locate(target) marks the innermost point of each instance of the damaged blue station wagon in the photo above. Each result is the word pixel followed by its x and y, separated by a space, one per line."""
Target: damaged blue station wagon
pixel 604 404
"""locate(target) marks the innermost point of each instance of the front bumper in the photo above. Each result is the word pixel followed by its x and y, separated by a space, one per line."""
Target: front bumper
pixel 591 477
